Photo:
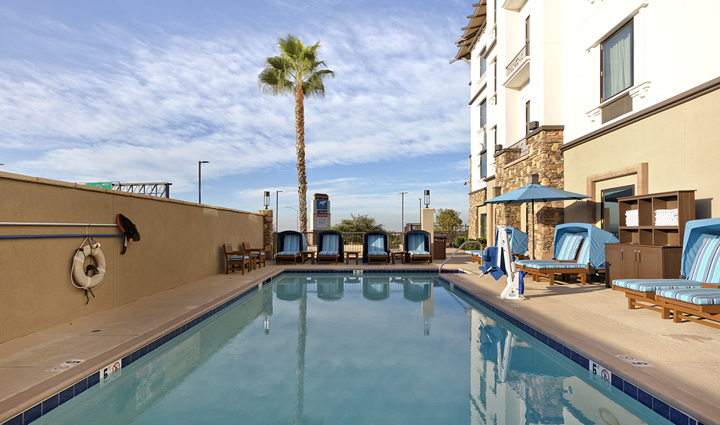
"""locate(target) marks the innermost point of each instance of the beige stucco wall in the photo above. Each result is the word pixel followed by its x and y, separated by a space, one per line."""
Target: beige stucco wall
pixel 180 242
pixel 681 146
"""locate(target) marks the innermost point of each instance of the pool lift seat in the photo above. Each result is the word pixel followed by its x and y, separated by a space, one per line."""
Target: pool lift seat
pixel 499 262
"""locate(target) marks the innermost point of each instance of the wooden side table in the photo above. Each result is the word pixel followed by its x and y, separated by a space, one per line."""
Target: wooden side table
pixel 395 254
pixel 307 255
pixel 352 254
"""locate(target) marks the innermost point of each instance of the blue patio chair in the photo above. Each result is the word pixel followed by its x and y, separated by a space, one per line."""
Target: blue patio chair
pixel 375 247
pixel 579 249
pixel 290 243
pixel 331 246
pixel 417 245
pixel 700 265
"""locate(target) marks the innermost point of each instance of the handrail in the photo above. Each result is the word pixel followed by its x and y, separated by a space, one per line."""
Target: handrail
pixel 451 255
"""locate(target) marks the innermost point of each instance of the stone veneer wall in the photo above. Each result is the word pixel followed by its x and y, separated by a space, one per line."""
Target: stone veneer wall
pixel 545 159
pixel 477 198
pixel 267 228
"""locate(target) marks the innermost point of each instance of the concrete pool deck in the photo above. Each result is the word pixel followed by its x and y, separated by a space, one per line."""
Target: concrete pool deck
pixel 684 358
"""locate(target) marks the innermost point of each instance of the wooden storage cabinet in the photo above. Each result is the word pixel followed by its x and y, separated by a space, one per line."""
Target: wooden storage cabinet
pixel 647 251
pixel 635 261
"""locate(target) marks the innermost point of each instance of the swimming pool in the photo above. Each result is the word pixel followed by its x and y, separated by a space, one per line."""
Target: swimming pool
pixel 339 349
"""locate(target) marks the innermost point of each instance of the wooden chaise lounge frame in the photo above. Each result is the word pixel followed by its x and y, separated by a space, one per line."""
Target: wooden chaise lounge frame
pixel 282 247
pixel 334 257
pixel 427 258
pixel 681 310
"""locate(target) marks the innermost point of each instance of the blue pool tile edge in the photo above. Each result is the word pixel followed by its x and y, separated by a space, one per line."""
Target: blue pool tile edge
pixel 660 407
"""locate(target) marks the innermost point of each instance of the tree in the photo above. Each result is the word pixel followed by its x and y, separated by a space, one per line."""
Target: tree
pixel 359 223
pixel 297 71
pixel 447 220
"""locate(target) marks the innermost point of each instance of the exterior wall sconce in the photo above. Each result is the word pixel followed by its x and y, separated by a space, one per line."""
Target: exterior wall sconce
pixel 267 199
pixel 427 198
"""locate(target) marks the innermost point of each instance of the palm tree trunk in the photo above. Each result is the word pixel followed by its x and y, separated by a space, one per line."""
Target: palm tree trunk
pixel 300 148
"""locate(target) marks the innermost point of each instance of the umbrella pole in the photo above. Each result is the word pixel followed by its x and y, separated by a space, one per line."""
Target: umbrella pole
pixel 533 228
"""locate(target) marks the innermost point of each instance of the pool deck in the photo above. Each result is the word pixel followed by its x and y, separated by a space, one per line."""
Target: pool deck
pixel 684 358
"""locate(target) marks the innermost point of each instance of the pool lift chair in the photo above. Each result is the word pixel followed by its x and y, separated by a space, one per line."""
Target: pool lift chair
pixel 498 261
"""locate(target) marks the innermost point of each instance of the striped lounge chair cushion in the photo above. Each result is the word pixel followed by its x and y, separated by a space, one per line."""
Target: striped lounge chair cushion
pixel 287 253
pixel 654 285
pixel 328 253
pixel 255 254
pixel 376 244
pixel 416 242
pixel 237 258
pixel 554 265
pixel 699 296
pixel 418 253
pixel 706 267
pixel 584 253
pixel 330 244
pixel 377 254
pixel 529 262
pixel 569 248
pixel 291 244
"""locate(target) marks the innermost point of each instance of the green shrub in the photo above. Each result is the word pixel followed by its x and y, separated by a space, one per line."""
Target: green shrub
pixel 459 240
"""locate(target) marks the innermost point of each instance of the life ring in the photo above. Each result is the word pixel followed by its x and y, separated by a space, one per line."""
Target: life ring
pixel 85 281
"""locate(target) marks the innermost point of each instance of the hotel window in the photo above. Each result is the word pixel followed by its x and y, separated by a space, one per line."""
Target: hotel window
pixel 527 117
pixel 495 11
pixel 495 77
pixel 483 226
pixel 610 219
pixel 483 164
pixel 616 62
pixel 483 114
pixel 483 63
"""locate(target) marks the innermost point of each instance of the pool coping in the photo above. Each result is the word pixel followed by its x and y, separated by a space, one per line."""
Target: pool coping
pixel 32 403
pixel 681 408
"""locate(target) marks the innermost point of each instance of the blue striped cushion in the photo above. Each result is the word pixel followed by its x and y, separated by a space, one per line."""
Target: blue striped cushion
pixel 255 254
pixel 554 265
pixel 528 263
pixel 569 247
pixel 236 258
pixel 291 243
pixel 584 254
pixel 376 243
pixel 288 253
pixel 331 243
pixel 700 296
pixel 328 253
pixel 416 242
pixel 418 252
pixel 706 267
pixel 377 253
pixel 653 285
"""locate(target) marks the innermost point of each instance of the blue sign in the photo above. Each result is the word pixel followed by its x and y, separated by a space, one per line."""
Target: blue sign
pixel 321 204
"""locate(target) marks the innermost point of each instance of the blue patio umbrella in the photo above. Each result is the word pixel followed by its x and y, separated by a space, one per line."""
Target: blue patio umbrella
pixel 532 193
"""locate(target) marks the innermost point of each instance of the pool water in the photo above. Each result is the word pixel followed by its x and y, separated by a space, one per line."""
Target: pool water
pixel 333 349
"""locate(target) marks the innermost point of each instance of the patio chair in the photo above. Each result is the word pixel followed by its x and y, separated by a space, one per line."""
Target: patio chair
pixel 257 257
pixel 579 250
pixel 701 247
pixel 375 247
pixel 331 246
pixel 417 245
pixel 290 243
pixel 235 260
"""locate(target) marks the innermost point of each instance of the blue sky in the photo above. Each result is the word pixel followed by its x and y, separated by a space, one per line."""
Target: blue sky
pixel 140 91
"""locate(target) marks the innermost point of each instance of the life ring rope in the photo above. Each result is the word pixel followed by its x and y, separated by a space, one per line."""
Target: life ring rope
pixel 79 276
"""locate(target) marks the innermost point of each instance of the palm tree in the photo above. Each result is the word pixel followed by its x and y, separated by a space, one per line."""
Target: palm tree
pixel 296 70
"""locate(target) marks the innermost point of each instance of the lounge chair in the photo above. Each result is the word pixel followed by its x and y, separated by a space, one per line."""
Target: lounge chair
pixel 290 243
pixel 375 247
pixel 696 258
pixel 417 244
pixel 701 241
pixel 330 288
pixel 579 249
pixel 331 246
pixel 235 260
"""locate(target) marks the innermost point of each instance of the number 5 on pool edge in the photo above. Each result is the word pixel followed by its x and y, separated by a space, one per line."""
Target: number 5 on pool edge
pixel 110 372
pixel 600 374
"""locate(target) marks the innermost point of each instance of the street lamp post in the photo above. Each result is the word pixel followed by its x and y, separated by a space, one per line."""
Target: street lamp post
pixel 420 199
pixel 200 163
pixel 297 222
pixel 402 225
pixel 277 213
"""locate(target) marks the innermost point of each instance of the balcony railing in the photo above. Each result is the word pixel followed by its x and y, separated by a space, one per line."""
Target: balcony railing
pixel 524 52
pixel 522 145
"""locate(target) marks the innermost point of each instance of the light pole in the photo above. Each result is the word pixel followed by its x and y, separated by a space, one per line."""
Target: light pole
pixel 402 226
pixel 297 222
pixel 200 163
pixel 277 213
pixel 420 199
